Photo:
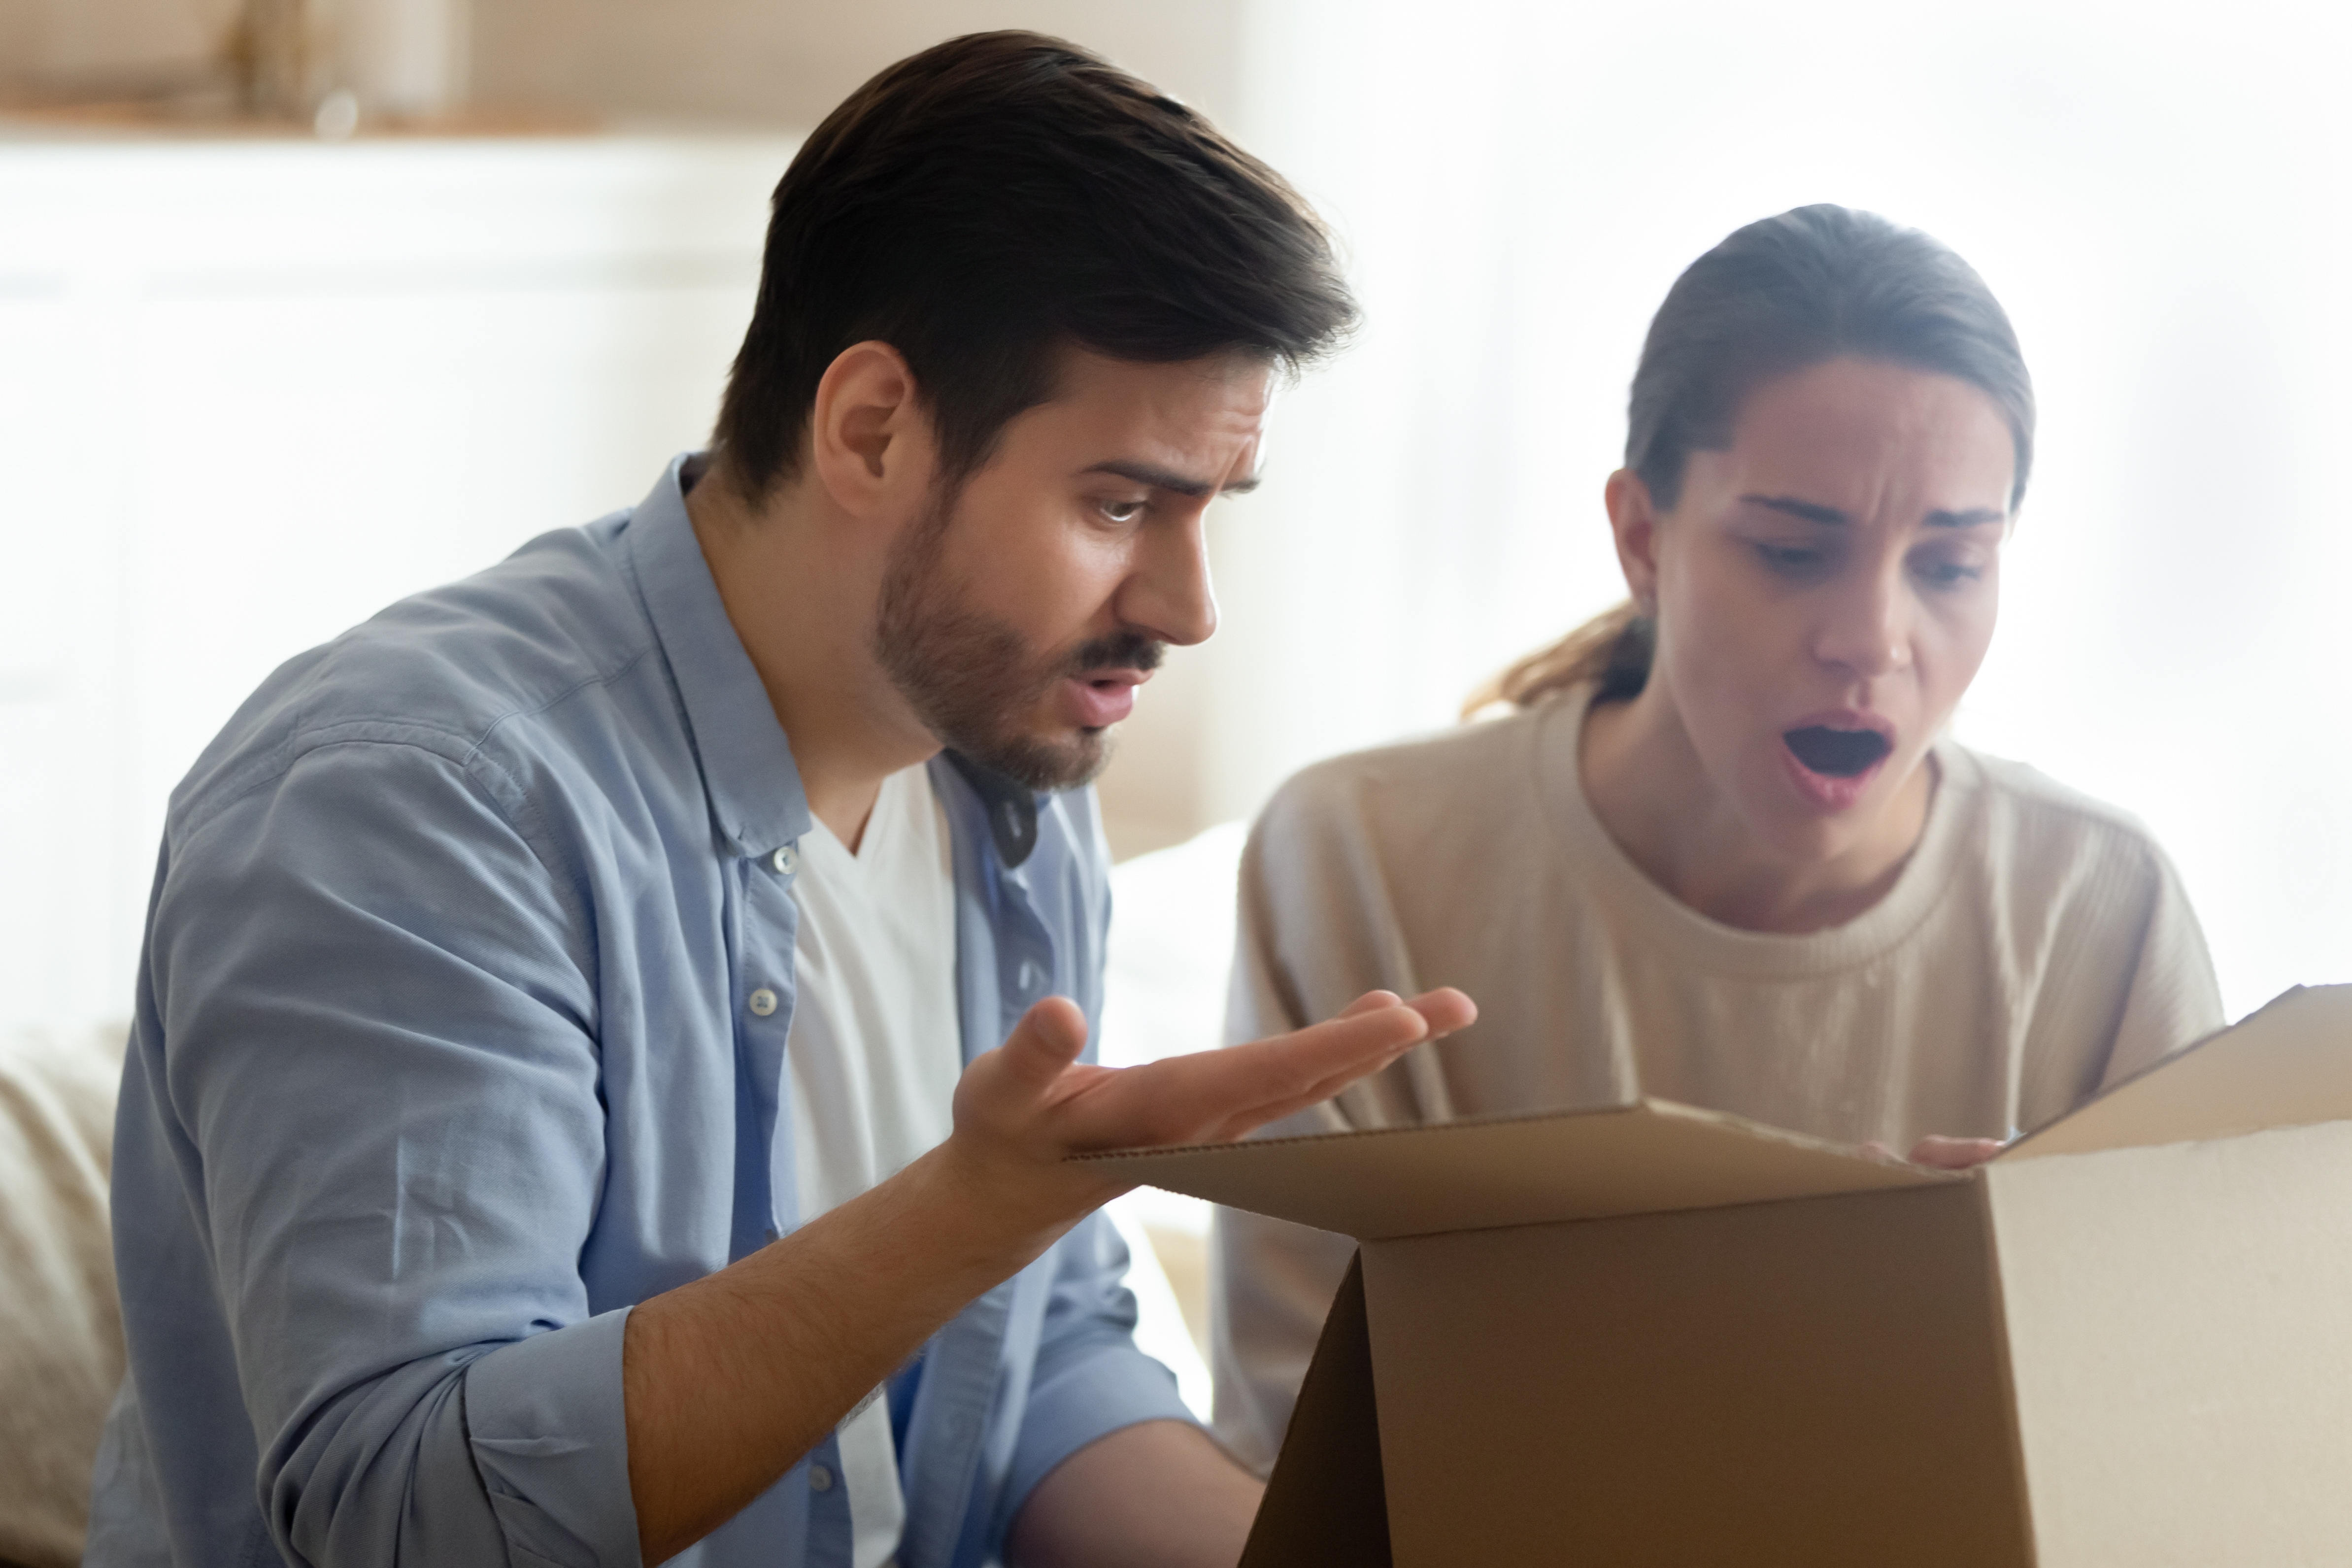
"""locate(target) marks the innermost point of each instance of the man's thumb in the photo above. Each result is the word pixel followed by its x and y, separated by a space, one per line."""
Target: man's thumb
pixel 1044 1043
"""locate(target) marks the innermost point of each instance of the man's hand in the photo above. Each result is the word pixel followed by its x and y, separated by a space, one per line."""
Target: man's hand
pixel 729 1380
pixel 1023 1109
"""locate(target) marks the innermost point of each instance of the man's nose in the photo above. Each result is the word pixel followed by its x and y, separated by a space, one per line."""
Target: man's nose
pixel 1169 597
pixel 1867 626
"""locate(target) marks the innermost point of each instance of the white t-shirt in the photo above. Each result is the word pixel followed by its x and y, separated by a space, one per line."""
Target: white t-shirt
pixel 874 1055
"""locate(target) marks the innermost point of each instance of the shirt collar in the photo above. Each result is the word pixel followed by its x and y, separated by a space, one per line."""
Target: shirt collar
pixel 747 763
pixel 1012 809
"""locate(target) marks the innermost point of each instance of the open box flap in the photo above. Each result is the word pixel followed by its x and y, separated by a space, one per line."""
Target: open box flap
pixel 1647 1157
pixel 2289 1065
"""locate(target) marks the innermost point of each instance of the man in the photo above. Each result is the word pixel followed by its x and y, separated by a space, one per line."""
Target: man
pixel 561 1124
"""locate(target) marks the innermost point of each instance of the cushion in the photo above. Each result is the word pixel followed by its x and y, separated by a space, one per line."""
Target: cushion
pixel 60 1329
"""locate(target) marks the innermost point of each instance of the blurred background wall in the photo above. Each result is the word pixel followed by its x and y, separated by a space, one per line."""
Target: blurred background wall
pixel 253 385
pixel 789 61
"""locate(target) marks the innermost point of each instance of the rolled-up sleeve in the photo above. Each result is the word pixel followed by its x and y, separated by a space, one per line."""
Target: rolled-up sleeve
pixel 382 1073
pixel 1090 1380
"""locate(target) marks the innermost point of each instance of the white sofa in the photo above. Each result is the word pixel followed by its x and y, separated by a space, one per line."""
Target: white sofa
pixel 60 1330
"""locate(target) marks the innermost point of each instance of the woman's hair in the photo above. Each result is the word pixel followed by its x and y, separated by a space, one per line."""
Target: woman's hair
pixel 1819 283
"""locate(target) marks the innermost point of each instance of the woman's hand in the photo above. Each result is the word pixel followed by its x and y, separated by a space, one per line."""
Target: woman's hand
pixel 1954 1154
pixel 1939 1153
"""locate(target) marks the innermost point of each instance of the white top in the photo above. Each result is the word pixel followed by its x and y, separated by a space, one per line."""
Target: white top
pixel 2035 947
pixel 874 1054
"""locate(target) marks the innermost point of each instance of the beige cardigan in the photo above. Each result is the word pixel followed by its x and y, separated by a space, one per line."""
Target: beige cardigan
pixel 2036 946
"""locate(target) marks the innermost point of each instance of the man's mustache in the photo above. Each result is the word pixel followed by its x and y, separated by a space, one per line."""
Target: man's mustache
pixel 1119 651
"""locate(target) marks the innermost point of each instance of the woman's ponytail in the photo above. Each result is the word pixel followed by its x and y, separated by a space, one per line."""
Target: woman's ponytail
pixel 1612 651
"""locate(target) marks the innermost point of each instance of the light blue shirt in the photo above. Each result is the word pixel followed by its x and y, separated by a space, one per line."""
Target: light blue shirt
pixel 445 1055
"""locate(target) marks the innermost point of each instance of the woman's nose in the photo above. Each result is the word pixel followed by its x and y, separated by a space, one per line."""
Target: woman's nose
pixel 1867 629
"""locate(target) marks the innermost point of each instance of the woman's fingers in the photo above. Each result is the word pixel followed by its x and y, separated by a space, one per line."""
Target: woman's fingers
pixel 1954 1154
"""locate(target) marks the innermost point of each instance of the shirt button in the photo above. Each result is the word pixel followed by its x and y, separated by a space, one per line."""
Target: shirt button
pixel 819 1479
pixel 763 1001
pixel 1032 977
pixel 786 860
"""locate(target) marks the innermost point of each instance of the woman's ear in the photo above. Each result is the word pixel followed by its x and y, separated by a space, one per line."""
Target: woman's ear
pixel 870 440
pixel 1634 519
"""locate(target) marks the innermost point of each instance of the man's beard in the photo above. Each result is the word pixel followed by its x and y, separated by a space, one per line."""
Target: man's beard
pixel 967 675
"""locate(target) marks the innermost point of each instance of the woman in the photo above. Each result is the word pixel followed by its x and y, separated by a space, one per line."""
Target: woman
pixel 1720 851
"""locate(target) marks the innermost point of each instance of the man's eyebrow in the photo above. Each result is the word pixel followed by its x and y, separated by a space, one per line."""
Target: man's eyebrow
pixel 1178 484
pixel 1813 512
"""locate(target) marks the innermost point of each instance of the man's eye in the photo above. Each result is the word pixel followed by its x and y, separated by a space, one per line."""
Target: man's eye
pixel 1792 561
pixel 1123 511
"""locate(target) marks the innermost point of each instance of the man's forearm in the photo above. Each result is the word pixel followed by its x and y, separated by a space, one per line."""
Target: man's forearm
pixel 1160 1494
pixel 727 1381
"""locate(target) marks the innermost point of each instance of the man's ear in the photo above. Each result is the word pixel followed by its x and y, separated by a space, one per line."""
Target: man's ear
pixel 1634 519
pixel 870 437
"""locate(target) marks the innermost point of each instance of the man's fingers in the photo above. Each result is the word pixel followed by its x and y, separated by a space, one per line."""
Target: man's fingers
pixel 1217 1095
pixel 1342 1048
pixel 1211 1095
pixel 1044 1043
pixel 1446 1009
pixel 1323 1058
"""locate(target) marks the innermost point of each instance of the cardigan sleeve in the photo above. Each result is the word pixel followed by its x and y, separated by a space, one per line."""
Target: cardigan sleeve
pixel 2173 1000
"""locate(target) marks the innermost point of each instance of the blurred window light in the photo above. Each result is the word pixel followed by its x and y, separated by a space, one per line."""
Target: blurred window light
pixel 2154 191
pixel 252 391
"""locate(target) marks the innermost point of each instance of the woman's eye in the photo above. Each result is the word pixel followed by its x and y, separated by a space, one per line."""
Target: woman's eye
pixel 1123 511
pixel 1946 573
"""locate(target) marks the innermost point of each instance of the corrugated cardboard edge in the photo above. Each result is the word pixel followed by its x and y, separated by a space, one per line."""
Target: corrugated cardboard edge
pixel 1998 1308
pixel 2052 1138
pixel 1649 1156
pixel 1763 1130
pixel 1327 1502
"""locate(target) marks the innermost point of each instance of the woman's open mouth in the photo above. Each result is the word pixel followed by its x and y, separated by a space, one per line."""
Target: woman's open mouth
pixel 1833 763
pixel 1840 753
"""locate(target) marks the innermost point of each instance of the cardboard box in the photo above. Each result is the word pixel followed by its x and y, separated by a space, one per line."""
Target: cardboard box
pixel 1647 1334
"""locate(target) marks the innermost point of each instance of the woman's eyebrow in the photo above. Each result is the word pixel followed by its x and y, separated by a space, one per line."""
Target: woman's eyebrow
pixel 1811 511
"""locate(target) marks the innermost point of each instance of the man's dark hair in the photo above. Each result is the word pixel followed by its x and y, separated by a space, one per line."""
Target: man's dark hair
pixel 987 203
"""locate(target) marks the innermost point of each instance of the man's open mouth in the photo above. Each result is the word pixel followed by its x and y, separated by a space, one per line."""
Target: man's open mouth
pixel 1838 753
